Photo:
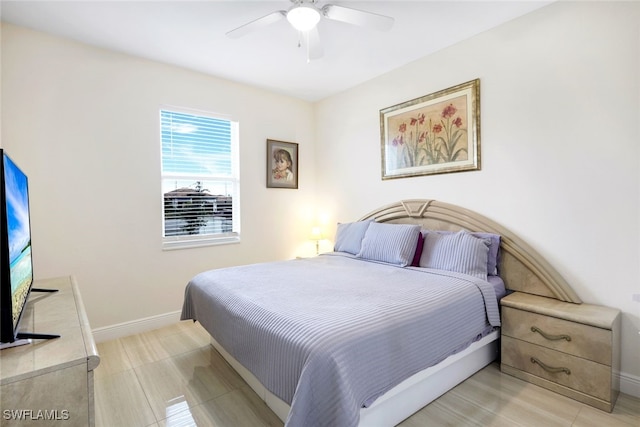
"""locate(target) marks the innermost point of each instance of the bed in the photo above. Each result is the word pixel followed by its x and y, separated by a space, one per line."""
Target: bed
pixel 403 310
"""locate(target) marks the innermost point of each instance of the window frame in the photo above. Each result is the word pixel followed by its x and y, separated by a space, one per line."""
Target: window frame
pixel 199 240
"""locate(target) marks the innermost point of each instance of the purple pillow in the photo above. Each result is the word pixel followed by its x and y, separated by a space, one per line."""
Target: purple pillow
pixel 418 254
pixel 494 251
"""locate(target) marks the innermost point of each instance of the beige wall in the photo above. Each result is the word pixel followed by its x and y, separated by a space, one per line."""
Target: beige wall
pixel 84 125
pixel 560 144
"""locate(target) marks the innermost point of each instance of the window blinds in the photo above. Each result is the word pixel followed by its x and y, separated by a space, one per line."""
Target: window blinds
pixel 199 178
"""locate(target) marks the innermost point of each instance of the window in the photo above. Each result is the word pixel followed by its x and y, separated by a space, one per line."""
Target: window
pixel 200 179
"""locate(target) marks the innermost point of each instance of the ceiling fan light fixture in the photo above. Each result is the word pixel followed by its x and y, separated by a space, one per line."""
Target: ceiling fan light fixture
pixel 303 17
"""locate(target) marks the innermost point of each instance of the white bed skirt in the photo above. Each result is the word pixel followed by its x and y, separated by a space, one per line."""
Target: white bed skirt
pixel 404 399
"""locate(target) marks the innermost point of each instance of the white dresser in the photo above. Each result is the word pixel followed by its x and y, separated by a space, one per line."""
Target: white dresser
pixel 50 382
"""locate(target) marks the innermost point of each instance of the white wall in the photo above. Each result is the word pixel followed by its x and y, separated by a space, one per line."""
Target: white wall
pixel 84 125
pixel 560 102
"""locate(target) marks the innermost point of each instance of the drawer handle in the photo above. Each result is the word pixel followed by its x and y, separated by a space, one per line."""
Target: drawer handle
pixel 550 368
pixel 550 337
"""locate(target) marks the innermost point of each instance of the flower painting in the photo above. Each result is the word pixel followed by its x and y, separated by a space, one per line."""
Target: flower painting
pixel 436 133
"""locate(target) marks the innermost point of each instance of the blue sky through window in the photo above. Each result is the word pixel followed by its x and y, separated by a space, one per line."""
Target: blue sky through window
pixel 195 145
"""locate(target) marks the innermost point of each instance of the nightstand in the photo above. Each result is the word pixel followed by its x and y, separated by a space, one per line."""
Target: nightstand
pixel 571 349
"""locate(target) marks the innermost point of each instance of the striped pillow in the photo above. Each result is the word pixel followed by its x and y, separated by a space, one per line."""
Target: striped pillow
pixel 349 236
pixel 390 243
pixel 494 248
pixel 460 252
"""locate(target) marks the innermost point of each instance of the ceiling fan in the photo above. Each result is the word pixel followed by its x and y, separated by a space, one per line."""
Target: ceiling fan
pixel 304 16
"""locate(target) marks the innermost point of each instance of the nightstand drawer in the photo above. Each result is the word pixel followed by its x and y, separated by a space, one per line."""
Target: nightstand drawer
pixel 576 373
pixel 588 342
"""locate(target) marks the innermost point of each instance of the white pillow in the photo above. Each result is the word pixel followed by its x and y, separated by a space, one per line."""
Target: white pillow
pixel 460 252
pixel 390 243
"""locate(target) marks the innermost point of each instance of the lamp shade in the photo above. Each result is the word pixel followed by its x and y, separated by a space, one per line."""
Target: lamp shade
pixel 316 233
pixel 303 17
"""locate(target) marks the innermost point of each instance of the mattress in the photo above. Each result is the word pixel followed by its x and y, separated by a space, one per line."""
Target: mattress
pixel 330 334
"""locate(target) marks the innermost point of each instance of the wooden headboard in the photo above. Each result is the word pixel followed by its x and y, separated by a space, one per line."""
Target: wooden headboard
pixel 521 267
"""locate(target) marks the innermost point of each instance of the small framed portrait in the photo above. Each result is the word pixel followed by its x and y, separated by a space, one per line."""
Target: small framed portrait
pixel 282 164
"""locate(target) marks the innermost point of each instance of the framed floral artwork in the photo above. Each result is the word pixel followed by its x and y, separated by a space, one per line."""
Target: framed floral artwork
pixel 282 164
pixel 436 133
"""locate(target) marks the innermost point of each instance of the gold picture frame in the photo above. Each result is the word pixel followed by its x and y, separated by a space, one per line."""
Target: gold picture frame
pixel 433 134
pixel 282 164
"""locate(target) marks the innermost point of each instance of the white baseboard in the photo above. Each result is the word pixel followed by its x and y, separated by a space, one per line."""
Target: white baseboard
pixel 629 384
pixel 120 330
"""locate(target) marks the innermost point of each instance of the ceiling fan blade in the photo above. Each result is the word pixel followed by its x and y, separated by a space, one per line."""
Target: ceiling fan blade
pixel 357 17
pixel 257 24
pixel 315 50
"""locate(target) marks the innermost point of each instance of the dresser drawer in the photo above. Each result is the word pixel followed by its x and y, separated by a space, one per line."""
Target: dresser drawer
pixel 588 342
pixel 570 371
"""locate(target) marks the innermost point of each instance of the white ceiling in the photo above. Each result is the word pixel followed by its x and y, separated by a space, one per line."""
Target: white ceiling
pixel 191 34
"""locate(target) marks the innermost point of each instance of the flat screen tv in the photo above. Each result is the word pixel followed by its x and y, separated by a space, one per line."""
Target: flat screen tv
pixel 16 266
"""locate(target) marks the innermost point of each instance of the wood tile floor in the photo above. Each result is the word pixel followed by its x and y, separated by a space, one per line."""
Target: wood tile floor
pixel 172 377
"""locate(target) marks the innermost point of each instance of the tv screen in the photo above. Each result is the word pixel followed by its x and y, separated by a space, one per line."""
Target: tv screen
pixel 16 266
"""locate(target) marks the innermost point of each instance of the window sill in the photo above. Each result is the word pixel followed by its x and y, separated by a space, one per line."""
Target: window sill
pixel 169 245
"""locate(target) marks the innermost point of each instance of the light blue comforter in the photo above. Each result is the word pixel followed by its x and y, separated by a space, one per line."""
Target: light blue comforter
pixel 330 334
